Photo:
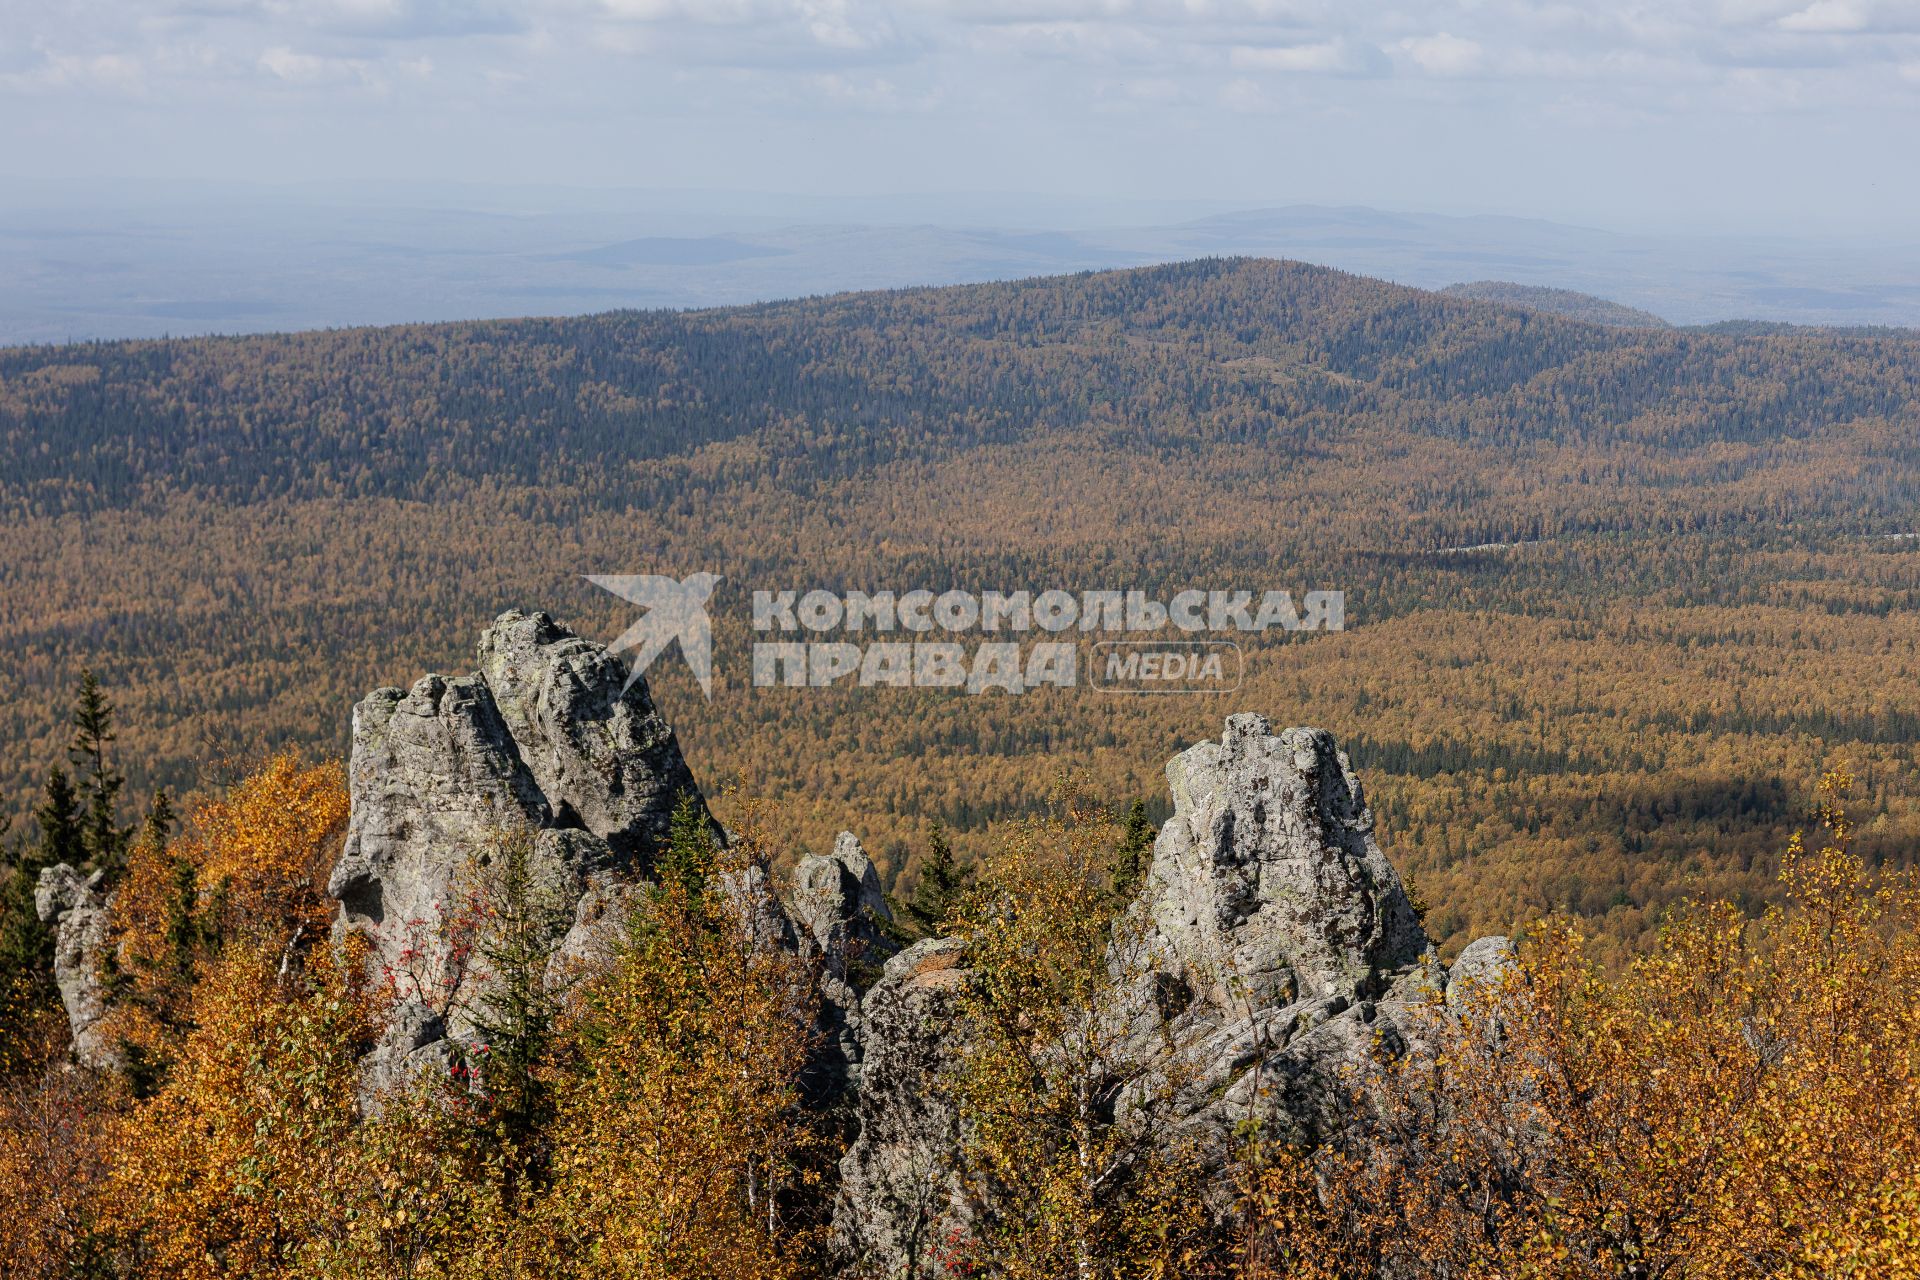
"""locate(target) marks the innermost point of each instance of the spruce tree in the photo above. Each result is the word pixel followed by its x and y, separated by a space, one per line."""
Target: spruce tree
pixel 1136 847
pixel 687 860
pixel 26 943
pixel 106 843
pixel 26 957
pixel 184 927
pixel 158 828
pixel 940 885
pixel 58 817
pixel 515 1013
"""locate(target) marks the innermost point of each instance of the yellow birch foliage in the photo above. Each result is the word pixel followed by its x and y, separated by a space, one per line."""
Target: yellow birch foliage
pixel 680 1147
pixel 431 1198
pixel 250 866
pixel 1062 1185
pixel 247 1154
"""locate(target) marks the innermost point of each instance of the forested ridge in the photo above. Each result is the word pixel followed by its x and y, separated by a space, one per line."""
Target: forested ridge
pixel 1615 597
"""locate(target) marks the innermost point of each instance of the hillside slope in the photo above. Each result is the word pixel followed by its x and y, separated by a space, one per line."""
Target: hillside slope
pixel 1613 595
pixel 1559 302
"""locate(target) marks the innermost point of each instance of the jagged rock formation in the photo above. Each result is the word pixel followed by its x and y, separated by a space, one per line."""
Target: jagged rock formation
pixel 841 912
pixel 899 1195
pixel 1266 885
pixel 546 739
pixel 603 760
pixel 1270 954
pixel 837 899
pixel 1279 948
pixel 77 907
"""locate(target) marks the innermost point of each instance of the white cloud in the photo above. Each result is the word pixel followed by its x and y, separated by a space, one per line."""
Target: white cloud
pixel 305 68
pixel 868 93
pixel 92 73
pixel 1244 96
pixel 1829 16
pixel 1854 17
pixel 1012 74
pixel 1337 57
pixel 1444 54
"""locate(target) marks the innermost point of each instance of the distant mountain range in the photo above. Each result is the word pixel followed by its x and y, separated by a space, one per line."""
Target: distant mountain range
pixel 237 263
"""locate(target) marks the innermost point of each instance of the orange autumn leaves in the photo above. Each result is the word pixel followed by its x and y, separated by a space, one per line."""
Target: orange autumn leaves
pixel 254 1030
pixel 675 1144
pixel 251 869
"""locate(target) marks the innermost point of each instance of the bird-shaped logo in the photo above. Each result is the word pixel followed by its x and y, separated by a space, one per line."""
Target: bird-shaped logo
pixel 676 609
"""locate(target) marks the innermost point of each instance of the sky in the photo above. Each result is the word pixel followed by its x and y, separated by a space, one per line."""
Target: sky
pixel 1783 117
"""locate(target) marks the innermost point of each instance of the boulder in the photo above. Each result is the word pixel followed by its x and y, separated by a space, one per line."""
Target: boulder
pixel 599 752
pixel 433 777
pixel 1484 962
pixel 1269 959
pixel 838 901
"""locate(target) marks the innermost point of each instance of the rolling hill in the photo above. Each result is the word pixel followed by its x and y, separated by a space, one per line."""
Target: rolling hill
pixel 1613 595
pixel 1559 302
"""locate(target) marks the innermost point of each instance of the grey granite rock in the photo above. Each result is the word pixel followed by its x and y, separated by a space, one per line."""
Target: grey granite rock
pixel 1266 883
pixel 900 1197
pixel 605 760
pixel 1269 962
pixel 1482 962
pixel 1276 951
pixel 840 913
pixel 78 909
pixel 546 738
pixel 838 901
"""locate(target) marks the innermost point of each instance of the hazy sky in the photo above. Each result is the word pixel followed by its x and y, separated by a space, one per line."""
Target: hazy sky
pixel 1780 115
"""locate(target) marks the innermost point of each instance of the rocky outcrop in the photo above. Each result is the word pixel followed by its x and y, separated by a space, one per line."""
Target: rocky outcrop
pixel 838 901
pixel 900 1201
pixel 1266 884
pixel 545 742
pixel 602 760
pixel 1275 949
pixel 840 913
pixel 1271 956
pixel 1268 960
pixel 77 907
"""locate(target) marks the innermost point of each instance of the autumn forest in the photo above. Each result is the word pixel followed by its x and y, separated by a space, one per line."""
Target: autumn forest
pixel 1628 674
pixel 1614 597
